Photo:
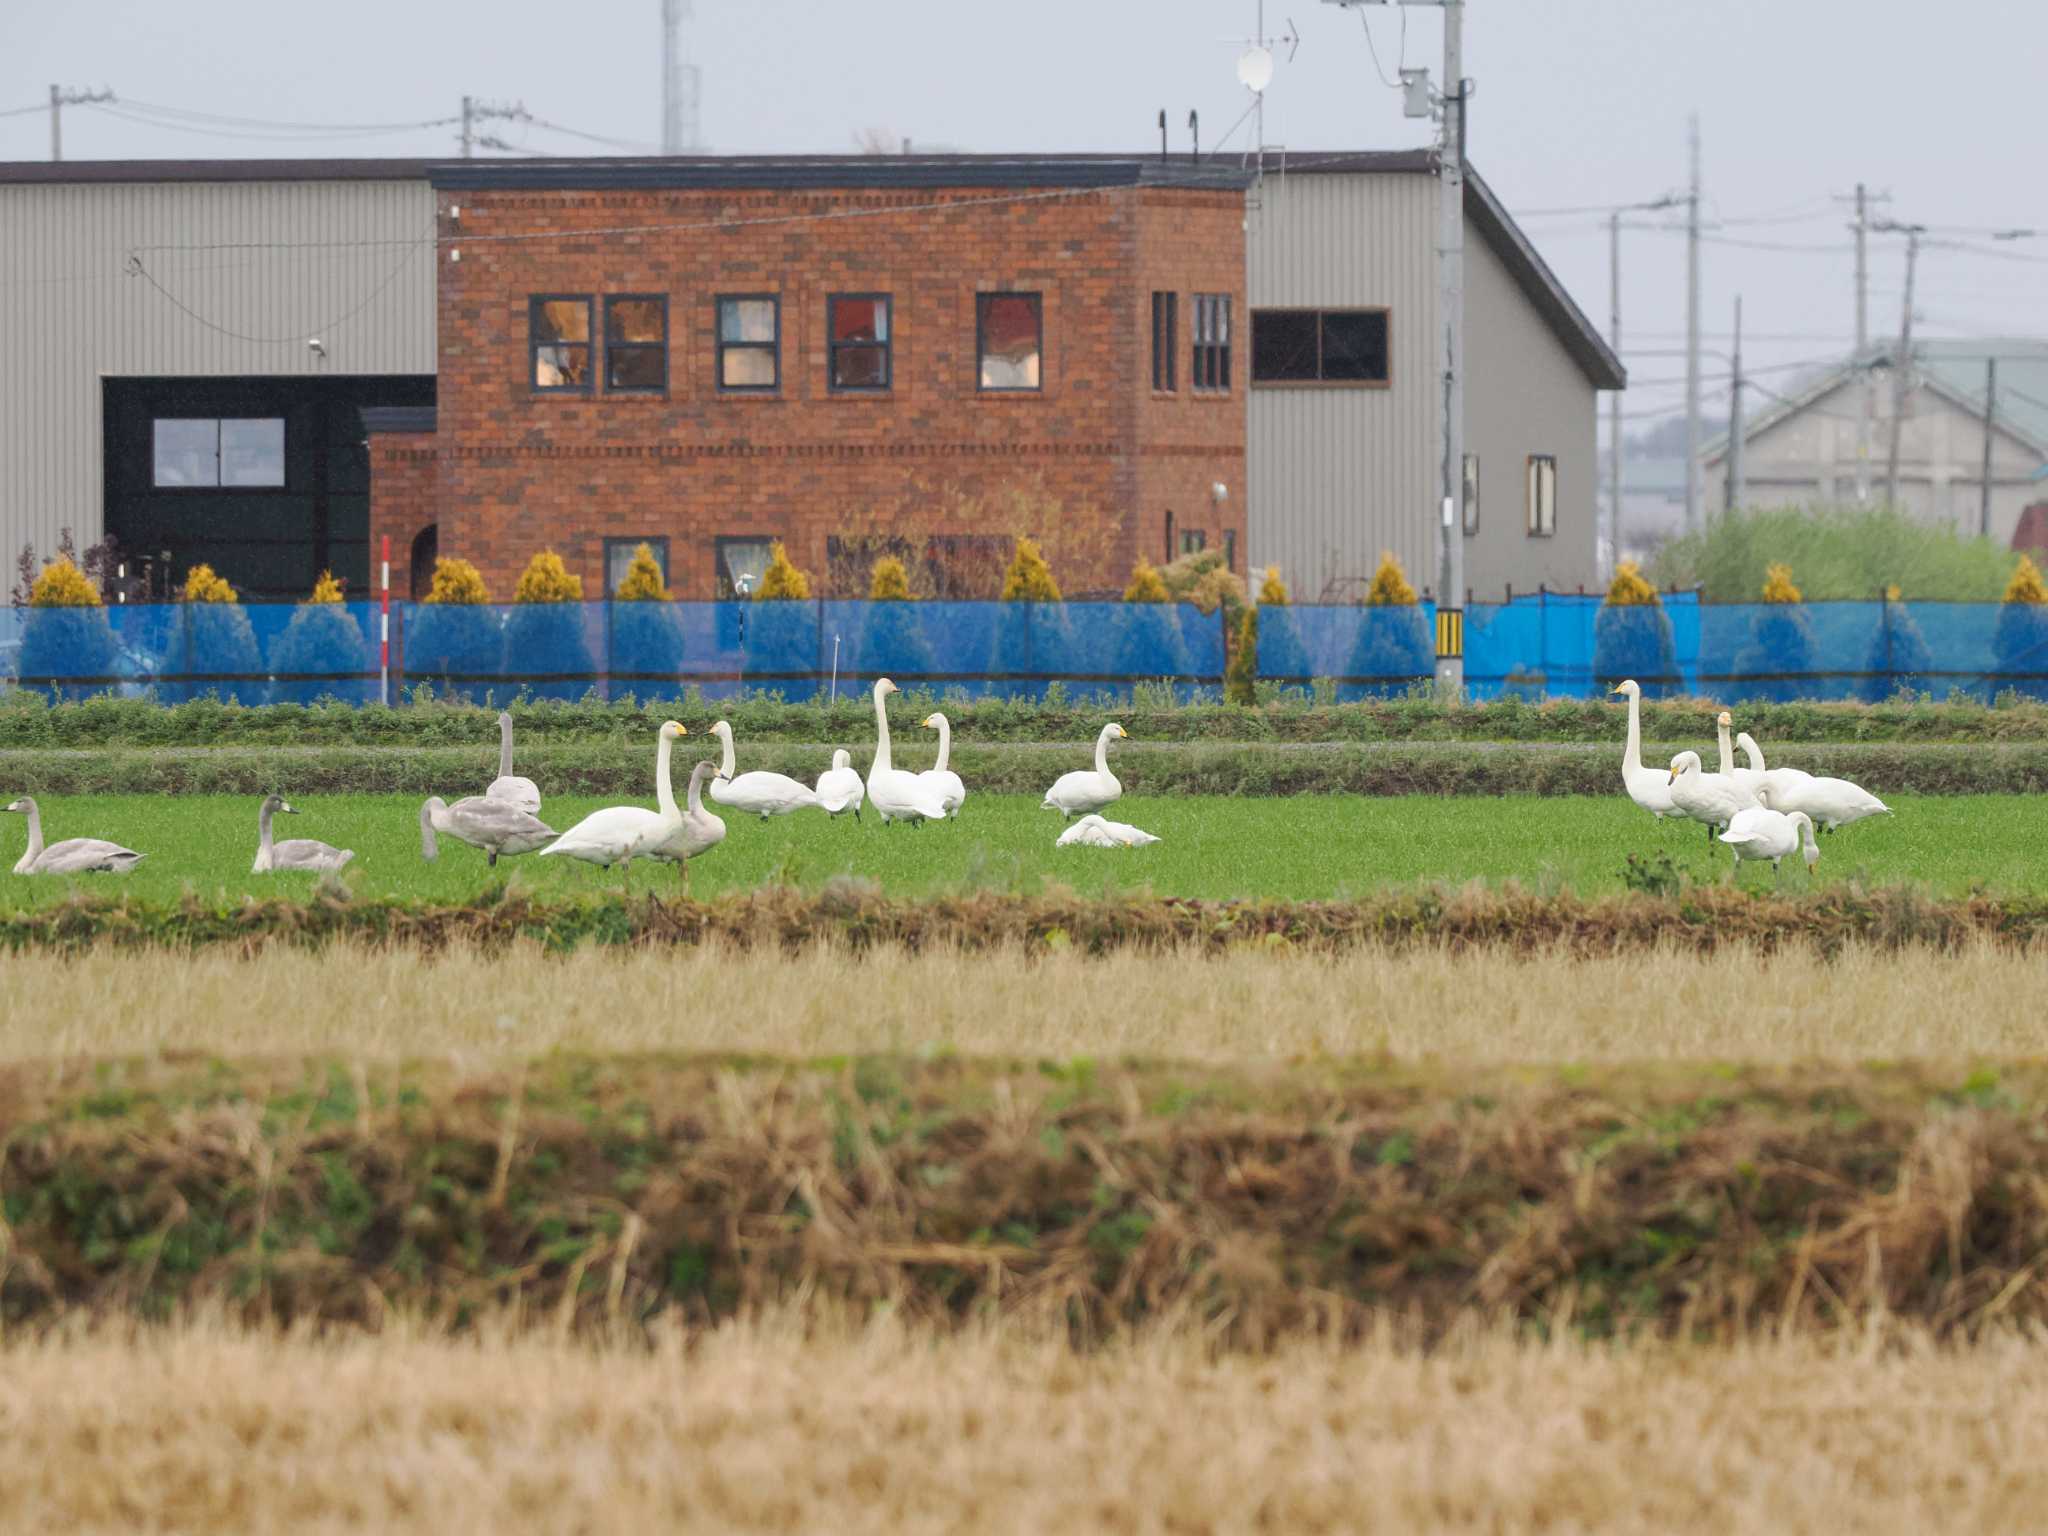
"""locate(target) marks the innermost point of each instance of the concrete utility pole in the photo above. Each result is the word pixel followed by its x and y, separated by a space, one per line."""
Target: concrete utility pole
pixel 468 127
pixel 1990 416
pixel 1692 336
pixel 474 112
pixel 1734 490
pixel 1864 407
pixel 1902 365
pixel 1669 200
pixel 62 97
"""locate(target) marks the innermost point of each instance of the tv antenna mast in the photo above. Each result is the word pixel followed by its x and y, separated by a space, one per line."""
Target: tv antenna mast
pixel 1255 73
pixel 681 82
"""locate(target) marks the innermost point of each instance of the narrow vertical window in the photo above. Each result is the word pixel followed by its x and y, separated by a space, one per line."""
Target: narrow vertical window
pixel 1193 541
pixel 1471 493
pixel 749 342
pixel 1212 341
pixel 636 343
pixel 558 344
pixel 1169 536
pixel 1230 549
pixel 1165 341
pixel 1009 331
pixel 1542 495
pixel 857 331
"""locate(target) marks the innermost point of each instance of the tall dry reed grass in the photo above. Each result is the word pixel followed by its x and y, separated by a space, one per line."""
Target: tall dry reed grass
pixel 1861 1003
pixel 777 1427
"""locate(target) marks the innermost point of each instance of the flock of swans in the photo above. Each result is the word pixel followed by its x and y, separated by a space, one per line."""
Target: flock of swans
pixel 1761 813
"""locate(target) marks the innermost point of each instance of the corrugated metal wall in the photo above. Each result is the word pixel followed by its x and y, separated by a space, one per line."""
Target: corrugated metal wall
pixel 1336 475
pixel 72 313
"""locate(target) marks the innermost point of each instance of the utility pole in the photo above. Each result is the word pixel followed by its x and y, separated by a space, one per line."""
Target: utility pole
pixel 1902 365
pixel 71 96
pixel 1863 346
pixel 1669 200
pixel 474 112
pixel 1990 416
pixel 1734 489
pixel 680 82
pixel 468 127
pixel 1692 335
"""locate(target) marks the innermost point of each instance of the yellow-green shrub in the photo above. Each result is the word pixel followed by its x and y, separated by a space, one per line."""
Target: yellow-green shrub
pixel 1778 586
pixel 1146 585
pixel 1390 588
pixel 202 585
pixel 1273 590
pixel 63 585
pixel 782 581
pixel 1629 588
pixel 326 589
pixel 458 582
pixel 1029 579
pixel 547 580
pixel 889 582
pixel 642 582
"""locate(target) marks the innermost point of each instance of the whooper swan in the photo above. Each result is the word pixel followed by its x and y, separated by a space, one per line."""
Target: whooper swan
pixel 496 826
pixel 1647 787
pixel 1092 831
pixel 1082 791
pixel 898 794
pixel 758 793
pixel 73 856
pixel 839 787
pixel 952 793
pixel 293 852
pixel 1763 832
pixel 523 793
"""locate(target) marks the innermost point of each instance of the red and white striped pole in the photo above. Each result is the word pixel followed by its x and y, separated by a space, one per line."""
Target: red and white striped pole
pixel 384 633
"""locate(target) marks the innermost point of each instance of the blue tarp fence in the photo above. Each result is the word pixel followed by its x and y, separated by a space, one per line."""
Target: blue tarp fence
pixel 1536 645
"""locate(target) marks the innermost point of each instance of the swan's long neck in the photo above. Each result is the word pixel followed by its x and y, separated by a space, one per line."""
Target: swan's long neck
pixel 664 791
pixel 727 765
pixel 263 826
pixel 882 763
pixel 1754 753
pixel 504 746
pixel 429 848
pixel 698 775
pixel 1102 751
pixel 1809 847
pixel 1632 754
pixel 945 742
pixel 1727 753
pixel 35 834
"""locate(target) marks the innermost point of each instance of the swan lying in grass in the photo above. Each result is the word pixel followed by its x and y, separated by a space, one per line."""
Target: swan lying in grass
pixel 895 792
pixel 1647 787
pixel 1762 832
pixel 293 852
pixel 759 793
pixel 496 826
pixel 1092 831
pixel 952 793
pixel 1082 791
pixel 73 856
pixel 839 787
pixel 508 786
pixel 1711 798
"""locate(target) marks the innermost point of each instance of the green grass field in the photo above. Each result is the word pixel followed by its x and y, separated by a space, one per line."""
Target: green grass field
pixel 1300 846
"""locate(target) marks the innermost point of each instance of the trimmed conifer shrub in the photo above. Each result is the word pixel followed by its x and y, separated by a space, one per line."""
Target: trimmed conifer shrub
pixel 782 581
pixel 1898 654
pixel 1148 642
pixel 1243 666
pixel 325 646
pixel 1394 650
pixel 1632 637
pixel 781 634
pixel 1281 656
pixel 1033 638
pixel 65 633
pixel 544 632
pixel 646 632
pixel 2020 643
pixel 455 633
pixel 892 639
pixel 1780 644
pixel 220 644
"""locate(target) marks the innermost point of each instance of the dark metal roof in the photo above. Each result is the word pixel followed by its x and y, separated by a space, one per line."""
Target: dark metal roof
pixel 739 172
pixel 398 418
pixel 65 171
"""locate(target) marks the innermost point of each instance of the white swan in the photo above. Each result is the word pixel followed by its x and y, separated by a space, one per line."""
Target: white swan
pixel 759 794
pixel 898 794
pixel 696 830
pixel 1647 787
pixel 1758 774
pixel 523 793
pixel 1093 832
pixel 1744 785
pixel 1079 792
pixel 839 787
pixel 952 793
pixel 495 826
pixel 293 852
pixel 1762 832
pixel 619 834
pixel 1707 797
pixel 73 856
pixel 1831 803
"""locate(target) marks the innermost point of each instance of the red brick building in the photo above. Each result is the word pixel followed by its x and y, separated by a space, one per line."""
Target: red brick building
pixel 856 355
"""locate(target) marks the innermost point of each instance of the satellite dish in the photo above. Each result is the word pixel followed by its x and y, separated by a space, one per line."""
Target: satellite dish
pixel 1255 69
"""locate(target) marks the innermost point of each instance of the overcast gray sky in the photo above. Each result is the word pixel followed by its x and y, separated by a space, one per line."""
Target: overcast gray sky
pixel 1579 102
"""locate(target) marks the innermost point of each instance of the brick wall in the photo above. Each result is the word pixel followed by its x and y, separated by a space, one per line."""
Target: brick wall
pixel 1090 463
pixel 404 488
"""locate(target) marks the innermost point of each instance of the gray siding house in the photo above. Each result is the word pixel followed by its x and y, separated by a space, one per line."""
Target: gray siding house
pixel 1346 463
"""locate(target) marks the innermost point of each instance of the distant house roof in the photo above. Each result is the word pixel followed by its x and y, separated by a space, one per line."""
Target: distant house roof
pixel 1953 370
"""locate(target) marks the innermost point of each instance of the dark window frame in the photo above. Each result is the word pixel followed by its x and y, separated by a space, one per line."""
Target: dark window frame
pixel 721 346
pixel 1532 479
pixel 534 302
pixel 886 347
pixel 1230 549
pixel 1320 311
pixel 658 542
pixel 1209 370
pixel 1165 342
pixel 1169 536
pixel 219 487
pixel 721 586
pixel 635 347
pixel 981 304
pixel 1193 541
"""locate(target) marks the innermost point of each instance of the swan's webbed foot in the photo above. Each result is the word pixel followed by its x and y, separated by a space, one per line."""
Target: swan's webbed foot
pixel 491 858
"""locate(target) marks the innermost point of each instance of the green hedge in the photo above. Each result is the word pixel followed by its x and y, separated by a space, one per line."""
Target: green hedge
pixel 27 721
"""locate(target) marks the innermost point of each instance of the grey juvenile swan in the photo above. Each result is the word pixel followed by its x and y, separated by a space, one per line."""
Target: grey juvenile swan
pixel 73 856
pixel 496 826
pixel 293 852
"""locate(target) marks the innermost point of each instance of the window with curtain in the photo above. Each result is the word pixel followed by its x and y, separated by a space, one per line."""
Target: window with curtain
pixel 1009 341
pixel 636 343
pixel 749 342
pixel 558 343
pixel 1542 495
pixel 857 341
pixel 1212 341
pixel 742 562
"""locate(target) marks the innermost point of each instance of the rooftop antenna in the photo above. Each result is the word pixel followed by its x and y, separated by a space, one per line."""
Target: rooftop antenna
pixel 680 83
pixel 1195 128
pixel 1255 73
pixel 1162 134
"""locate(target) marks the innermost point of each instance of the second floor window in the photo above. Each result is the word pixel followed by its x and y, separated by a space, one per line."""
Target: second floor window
pixel 1212 341
pixel 558 343
pixel 1165 343
pixel 1319 346
pixel 1009 340
pixel 636 343
pixel 749 342
pixel 1542 495
pixel 858 340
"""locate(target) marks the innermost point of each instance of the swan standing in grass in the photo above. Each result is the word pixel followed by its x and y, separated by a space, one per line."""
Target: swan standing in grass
pixel 293 852
pixel 619 834
pixel 1763 832
pixel 1647 787
pixel 1082 791
pixel 73 856
pixel 1092 831
pixel 1706 797
pixel 1831 803
pixel 1745 786
pixel 523 793
pixel 496 826
pixel 895 792
pixel 759 794
pixel 839 787
pixel 1757 774
pixel 952 793
pixel 696 830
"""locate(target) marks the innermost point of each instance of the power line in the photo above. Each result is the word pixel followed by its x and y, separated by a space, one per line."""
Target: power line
pixel 317 136
pixel 136 268
pixel 194 115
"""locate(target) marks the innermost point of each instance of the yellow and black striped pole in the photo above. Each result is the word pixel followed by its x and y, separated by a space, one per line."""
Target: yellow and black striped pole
pixel 1450 634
